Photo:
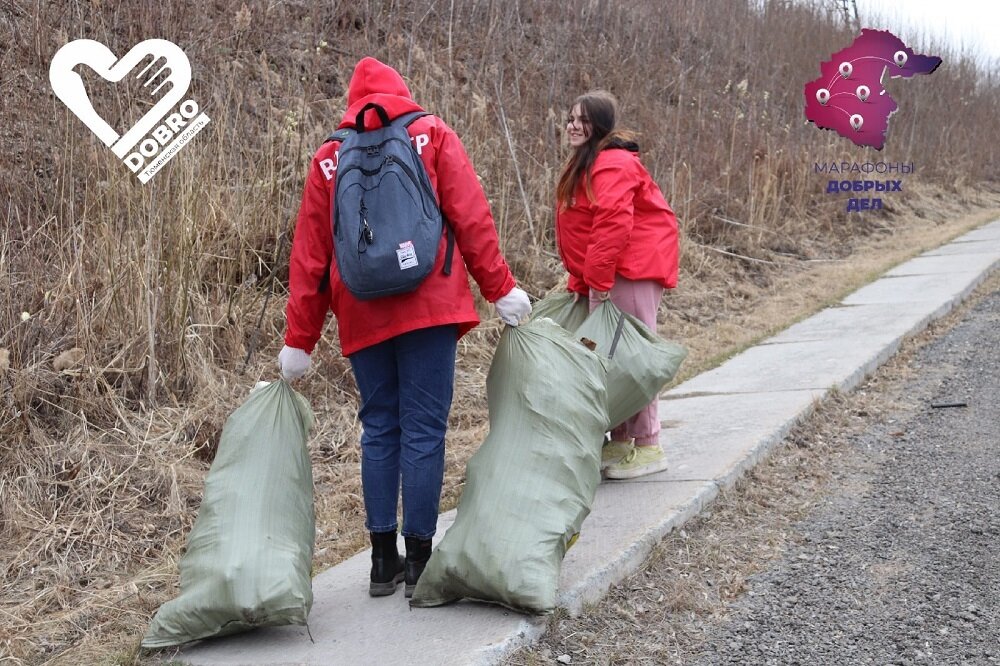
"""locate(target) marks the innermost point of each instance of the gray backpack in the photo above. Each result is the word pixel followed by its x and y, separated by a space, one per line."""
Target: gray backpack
pixel 387 225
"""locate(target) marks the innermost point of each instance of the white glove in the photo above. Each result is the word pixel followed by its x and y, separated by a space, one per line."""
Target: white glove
pixel 293 362
pixel 513 307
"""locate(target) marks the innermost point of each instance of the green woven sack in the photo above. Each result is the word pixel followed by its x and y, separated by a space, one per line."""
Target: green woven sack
pixel 531 483
pixel 249 554
pixel 642 365
pixel 563 308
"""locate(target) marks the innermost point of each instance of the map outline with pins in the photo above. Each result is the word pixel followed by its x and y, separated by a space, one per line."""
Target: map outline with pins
pixel 849 98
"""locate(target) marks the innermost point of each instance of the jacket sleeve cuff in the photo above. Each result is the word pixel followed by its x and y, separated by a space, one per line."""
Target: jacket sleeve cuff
pixel 300 342
pixel 600 283
pixel 577 285
pixel 508 285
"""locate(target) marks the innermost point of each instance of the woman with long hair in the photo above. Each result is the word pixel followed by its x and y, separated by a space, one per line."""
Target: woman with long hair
pixel 617 237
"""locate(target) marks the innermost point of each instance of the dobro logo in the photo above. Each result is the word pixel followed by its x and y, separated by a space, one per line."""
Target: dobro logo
pixel 164 129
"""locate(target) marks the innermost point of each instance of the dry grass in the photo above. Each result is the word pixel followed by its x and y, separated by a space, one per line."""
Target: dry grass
pixel 715 324
pixel 161 286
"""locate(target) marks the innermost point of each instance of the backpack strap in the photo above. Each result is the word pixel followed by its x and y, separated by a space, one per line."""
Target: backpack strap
pixel 449 251
pixel 406 120
pixel 340 135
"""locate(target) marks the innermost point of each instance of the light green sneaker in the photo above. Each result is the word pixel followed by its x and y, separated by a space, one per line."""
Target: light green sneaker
pixel 614 451
pixel 640 461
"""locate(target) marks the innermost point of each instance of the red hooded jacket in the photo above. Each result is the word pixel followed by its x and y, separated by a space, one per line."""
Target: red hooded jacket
pixel 628 228
pixel 440 299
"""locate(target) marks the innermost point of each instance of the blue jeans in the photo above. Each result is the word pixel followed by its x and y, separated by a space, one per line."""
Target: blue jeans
pixel 406 387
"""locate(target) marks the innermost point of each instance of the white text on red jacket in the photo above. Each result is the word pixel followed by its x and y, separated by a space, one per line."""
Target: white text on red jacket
pixel 329 166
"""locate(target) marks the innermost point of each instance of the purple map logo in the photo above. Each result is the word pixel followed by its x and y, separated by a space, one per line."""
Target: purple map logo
pixel 848 97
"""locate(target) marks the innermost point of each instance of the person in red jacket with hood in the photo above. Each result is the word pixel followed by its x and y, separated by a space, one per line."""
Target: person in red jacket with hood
pixel 402 347
pixel 617 237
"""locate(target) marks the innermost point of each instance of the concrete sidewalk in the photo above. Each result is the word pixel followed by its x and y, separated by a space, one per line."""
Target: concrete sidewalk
pixel 717 425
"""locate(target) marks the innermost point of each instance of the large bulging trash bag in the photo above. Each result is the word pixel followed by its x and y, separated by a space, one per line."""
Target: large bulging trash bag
pixel 249 554
pixel 531 483
pixel 562 307
pixel 642 365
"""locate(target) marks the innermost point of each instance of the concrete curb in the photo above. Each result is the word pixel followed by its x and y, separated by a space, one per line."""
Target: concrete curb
pixel 716 426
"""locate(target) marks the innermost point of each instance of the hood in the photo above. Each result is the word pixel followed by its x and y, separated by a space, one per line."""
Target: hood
pixel 374 82
pixel 622 144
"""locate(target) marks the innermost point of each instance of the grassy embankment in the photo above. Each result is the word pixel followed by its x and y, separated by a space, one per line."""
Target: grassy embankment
pixel 102 455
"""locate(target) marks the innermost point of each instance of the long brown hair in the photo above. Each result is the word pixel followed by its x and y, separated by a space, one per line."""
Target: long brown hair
pixel 599 108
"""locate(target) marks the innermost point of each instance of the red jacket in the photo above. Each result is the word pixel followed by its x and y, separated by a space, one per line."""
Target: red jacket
pixel 628 228
pixel 440 299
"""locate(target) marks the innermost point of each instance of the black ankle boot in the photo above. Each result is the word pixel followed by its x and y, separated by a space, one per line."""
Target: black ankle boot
pixel 418 551
pixel 387 565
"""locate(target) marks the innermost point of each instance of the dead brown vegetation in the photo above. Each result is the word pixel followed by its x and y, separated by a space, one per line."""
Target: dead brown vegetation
pixel 160 285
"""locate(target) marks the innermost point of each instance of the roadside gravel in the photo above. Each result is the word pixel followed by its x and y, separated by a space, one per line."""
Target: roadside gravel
pixel 901 563
pixel 872 536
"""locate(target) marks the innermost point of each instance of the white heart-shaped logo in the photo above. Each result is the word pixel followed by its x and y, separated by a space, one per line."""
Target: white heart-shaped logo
pixel 68 85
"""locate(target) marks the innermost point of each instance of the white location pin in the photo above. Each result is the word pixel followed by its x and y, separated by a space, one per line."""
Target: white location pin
pixel 863 93
pixel 823 96
pixel 857 121
pixel 899 57
pixel 845 69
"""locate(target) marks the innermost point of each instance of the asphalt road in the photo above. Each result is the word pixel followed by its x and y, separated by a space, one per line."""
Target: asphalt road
pixel 900 564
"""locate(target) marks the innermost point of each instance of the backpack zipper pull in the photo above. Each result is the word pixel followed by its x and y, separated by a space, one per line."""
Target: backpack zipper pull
pixel 367 237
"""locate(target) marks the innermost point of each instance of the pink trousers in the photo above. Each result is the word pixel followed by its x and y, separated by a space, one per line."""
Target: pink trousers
pixel 642 299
